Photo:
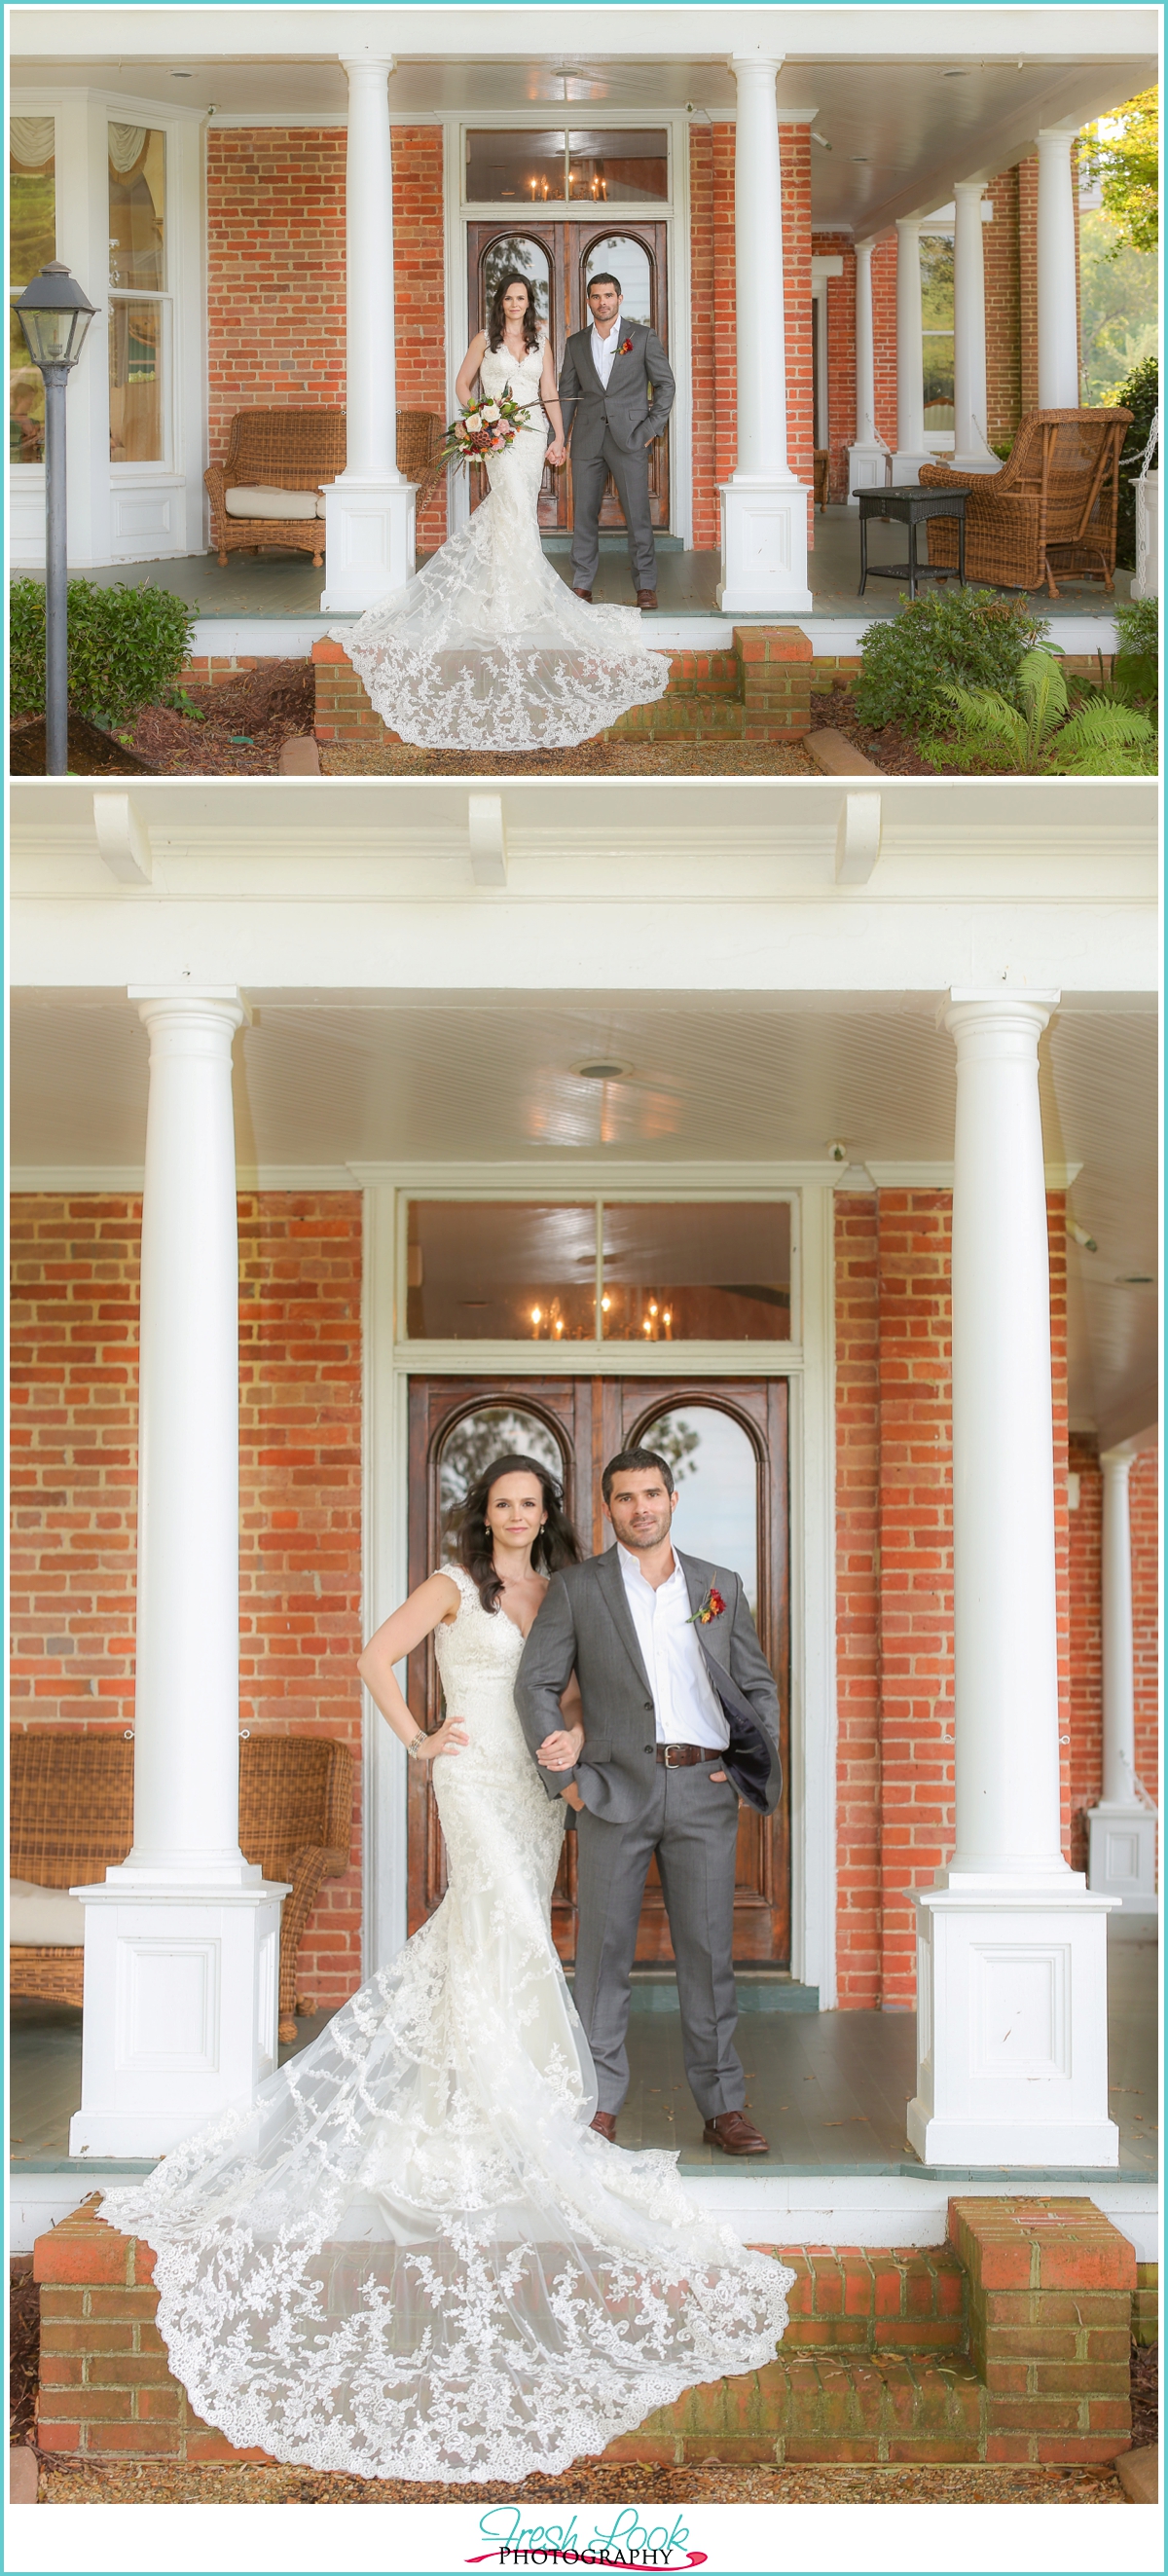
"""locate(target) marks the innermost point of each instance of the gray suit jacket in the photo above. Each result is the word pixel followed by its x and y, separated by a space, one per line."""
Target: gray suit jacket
pixel 585 1626
pixel 625 408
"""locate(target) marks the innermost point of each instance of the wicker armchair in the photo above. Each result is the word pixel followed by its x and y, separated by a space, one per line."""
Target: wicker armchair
pixel 72 1818
pixel 1052 508
pixel 297 451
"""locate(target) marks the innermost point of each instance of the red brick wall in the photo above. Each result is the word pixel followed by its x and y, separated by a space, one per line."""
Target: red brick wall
pixel 276 275
pixel 884 333
pixel 857 1578
pixel 74 1484
pixel 1144 1491
pixel 894 1572
pixel 1003 309
pixel 703 321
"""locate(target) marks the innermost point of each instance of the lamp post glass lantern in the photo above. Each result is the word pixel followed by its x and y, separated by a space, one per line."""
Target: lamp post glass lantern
pixel 54 314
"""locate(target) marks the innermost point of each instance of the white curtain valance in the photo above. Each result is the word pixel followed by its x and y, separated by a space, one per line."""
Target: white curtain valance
pixel 31 141
pixel 127 144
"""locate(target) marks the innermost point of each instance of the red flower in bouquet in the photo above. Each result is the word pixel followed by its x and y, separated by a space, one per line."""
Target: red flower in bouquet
pixel 483 429
pixel 711 1608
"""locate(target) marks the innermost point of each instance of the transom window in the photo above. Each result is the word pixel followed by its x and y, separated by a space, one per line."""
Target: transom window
pixel 590 165
pixel 594 1270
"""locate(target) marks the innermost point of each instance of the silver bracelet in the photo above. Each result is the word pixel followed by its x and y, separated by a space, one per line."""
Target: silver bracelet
pixel 414 1750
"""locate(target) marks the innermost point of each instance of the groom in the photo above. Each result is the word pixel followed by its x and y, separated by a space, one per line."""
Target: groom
pixel 616 390
pixel 681 1719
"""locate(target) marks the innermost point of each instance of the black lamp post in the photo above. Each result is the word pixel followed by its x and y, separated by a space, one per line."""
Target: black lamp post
pixel 55 314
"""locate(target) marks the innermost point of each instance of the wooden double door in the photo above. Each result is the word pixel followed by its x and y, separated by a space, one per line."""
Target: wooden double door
pixel 558 259
pixel 727 1442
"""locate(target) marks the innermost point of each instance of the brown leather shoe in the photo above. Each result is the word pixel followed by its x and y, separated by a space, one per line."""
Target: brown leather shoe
pixel 605 2121
pixel 582 594
pixel 646 599
pixel 734 2134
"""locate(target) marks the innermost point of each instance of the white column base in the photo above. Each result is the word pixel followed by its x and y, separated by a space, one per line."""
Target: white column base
pixel 1012 2023
pixel 1122 1854
pixel 1146 578
pixel 867 469
pixel 907 463
pixel 181 1994
pixel 369 541
pixel 975 459
pixel 764 547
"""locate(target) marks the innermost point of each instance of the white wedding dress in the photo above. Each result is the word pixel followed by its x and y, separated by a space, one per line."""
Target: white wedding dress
pixel 413 2258
pixel 486 649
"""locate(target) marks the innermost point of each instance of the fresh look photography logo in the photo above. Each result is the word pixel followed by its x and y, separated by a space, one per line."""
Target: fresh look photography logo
pixel 623 2540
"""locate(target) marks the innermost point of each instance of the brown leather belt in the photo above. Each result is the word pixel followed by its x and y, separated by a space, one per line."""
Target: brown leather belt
pixel 676 1756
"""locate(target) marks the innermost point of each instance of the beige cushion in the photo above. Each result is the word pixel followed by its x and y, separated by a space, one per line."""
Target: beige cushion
pixel 44 1918
pixel 261 501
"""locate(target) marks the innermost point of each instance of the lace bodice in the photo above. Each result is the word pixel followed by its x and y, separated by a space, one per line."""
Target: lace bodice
pixel 499 369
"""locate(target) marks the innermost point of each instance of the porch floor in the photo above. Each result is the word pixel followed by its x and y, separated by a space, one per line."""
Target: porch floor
pixel 286 586
pixel 829 2089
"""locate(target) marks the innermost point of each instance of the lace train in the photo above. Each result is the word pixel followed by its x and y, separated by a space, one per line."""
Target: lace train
pixel 412 2257
pixel 486 649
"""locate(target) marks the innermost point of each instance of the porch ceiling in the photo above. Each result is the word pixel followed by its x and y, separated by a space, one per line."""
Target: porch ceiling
pixel 902 122
pixel 365 1079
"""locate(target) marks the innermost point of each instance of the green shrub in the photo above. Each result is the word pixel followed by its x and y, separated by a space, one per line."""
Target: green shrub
pixel 126 647
pixel 1140 394
pixel 950 639
pixel 1041 736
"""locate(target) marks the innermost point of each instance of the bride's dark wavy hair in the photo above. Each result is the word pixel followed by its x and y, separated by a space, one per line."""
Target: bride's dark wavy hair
pixel 495 323
pixel 554 1545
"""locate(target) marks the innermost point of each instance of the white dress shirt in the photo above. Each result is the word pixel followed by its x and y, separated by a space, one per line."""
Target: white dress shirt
pixel 687 1707
pixel 604 351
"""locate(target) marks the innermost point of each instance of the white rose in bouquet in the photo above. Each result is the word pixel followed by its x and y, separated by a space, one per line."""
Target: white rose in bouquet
pixel 473 421
pixel 490 411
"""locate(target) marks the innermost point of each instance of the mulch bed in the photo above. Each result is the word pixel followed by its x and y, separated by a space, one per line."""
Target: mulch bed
pixel 893 752
pixel 1145 2389
pixel 587 760
pixel 626 2484
pixel 24 2329
pixel 91 752
pixel 247 720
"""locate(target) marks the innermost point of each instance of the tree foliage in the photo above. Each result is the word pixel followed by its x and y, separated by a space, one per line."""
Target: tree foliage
pixel 126 647
pixel 1123 152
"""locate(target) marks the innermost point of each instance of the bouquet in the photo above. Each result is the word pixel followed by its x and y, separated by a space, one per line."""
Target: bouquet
pixel 485 429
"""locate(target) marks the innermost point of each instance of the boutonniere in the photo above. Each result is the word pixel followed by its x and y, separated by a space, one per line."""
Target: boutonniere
pixel 625 350
pixel 711 1608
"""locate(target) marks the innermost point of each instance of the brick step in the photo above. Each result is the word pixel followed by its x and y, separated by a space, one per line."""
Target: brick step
pixel 757 690
pixel 1011 2342
pixel 829 2406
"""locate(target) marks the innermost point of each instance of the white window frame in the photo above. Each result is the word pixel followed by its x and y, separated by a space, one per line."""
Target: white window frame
pixel 940 442
pixel 132 470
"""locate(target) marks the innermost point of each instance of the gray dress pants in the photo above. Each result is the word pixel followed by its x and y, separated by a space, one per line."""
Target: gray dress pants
pixel 691 1823
pixel 629 469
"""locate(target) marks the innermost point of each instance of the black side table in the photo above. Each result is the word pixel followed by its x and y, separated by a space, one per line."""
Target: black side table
pixel 907 502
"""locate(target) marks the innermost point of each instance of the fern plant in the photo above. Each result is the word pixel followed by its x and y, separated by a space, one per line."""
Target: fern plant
pixel 1041 737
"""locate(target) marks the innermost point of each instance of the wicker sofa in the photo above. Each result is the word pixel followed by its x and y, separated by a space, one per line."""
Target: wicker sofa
pixel 72 1818
pixel 1052 508
pixel 278 459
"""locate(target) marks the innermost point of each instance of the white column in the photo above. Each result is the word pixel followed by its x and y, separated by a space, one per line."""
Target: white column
pixel 1058 315
pixel 1122 1827
pixel 1011 1947
pixel 181 1941
pixel 911 451
pixel 369 523
pixel 866 459
pixel 763 508
pixel 972 453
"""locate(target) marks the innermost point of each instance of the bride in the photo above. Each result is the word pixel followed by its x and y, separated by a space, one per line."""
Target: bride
pixel 486 649
pixel 412 2257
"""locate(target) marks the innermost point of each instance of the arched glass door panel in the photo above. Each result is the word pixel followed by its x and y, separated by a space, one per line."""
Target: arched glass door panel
pixel 470 1446
pixel 628 258
pixel 715 1470
pixel 526 253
